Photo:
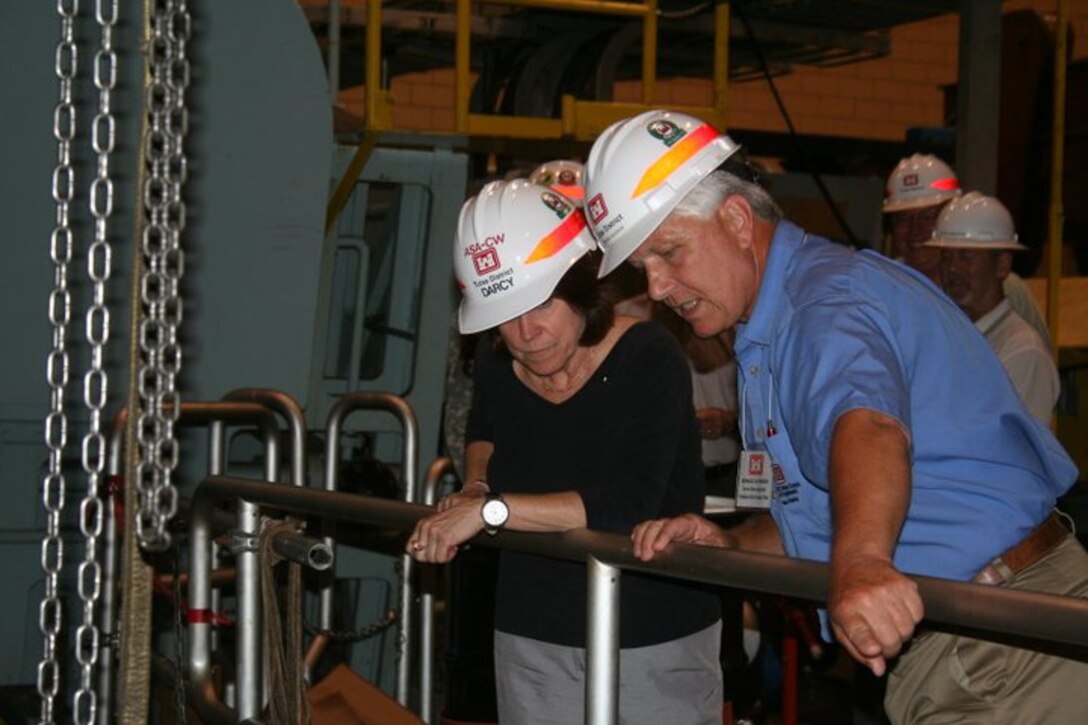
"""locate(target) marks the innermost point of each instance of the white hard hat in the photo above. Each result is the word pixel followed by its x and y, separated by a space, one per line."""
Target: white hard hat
pixel 975 221
pixel 562 175
pixel 918 181
pixel 515 241
pixel 639 170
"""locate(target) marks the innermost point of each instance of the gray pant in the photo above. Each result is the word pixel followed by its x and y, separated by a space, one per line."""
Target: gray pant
pixel 674 683
pixel 948 679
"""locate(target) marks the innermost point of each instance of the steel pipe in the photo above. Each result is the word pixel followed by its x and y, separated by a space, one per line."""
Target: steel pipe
pixel 193 414
pixel 436 472
pixel 396 405
pixel 1034 615
pixel 201 602
pixel 602 642
pixel 304 550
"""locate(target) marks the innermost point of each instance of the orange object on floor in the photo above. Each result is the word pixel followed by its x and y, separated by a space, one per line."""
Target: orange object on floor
pixel 345 698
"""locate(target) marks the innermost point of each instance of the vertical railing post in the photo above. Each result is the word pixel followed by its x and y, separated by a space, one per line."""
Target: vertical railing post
pixel 366 400
pixel 602 643
pixel 439 468
pixel 250 681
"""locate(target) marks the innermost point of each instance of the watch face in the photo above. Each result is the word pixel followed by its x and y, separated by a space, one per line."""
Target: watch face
pixel 495 512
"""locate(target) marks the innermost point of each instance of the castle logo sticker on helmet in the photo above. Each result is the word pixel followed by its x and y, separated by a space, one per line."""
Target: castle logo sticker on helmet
pixel 598 210
pixel 485 261
pixel 665 131
pixel 910 180
pixel 556 204
pixel 682 150
pixel 559 238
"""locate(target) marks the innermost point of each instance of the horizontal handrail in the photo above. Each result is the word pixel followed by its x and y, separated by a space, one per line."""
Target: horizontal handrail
pixel 1033 615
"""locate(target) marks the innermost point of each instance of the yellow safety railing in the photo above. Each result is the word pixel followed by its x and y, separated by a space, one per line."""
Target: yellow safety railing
pixel 580 120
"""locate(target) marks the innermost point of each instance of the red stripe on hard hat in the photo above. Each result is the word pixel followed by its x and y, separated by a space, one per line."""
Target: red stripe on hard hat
pixel 684 149
pixel 560 237
pixel 949 184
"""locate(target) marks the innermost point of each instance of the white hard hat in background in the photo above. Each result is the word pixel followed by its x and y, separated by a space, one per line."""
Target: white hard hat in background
pixel 562 175
pixel 918 181
pixel 515 241
pixel 975 221
pixel 639 170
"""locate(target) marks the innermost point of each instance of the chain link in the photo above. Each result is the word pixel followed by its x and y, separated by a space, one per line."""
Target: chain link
pixel 164 265
pixel 96 380
pixel 60 305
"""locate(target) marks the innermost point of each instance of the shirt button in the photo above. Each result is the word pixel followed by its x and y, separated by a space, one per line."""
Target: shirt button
pixel 753 369
pixel 759 432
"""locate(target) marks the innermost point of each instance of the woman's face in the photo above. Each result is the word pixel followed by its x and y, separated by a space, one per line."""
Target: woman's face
pixel 545 338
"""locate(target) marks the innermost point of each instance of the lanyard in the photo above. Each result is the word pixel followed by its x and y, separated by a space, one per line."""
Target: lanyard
pixel 771 430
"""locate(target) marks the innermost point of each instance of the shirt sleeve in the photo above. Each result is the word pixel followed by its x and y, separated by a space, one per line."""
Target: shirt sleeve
pixel 653 451
pixel 1035 378
pixel 479 426
pixel 836 356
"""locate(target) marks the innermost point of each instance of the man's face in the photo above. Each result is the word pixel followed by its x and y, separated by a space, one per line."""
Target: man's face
pixel 973 278
pixel 911 228
pixel 703 269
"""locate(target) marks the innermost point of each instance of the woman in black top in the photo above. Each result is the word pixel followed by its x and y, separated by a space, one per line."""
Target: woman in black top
pixel 579 419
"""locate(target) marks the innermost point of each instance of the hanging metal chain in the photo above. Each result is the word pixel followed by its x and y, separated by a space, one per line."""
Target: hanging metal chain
pixel 60 303
pixel 96 381
pixel 165 208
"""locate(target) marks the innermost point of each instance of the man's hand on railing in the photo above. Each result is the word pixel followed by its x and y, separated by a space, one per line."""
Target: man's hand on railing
pixel 873 609
pixel 651 537
pixel 435 538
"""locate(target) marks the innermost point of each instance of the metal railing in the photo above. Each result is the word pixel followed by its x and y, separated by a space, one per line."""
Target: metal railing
pixel 396 405
pixel 214 415
pixel 439 470
pixel 1031 615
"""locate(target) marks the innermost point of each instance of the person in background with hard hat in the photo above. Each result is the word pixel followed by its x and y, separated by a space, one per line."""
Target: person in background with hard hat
pixel 976 240
pixel 873 446
pixel 579 419
pixel 917 190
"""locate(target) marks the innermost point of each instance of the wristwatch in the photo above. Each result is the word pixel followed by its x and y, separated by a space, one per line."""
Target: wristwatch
pixel 495 512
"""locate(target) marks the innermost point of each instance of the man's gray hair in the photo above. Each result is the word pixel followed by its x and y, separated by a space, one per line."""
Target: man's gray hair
pixel 703 200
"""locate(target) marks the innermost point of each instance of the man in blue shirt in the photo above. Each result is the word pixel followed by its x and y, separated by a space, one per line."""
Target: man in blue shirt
pixel 878 425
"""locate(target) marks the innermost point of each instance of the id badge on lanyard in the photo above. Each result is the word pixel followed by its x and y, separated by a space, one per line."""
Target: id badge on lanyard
pixel 755 469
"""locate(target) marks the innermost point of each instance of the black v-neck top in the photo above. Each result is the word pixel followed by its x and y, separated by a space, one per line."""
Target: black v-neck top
pixel 628 443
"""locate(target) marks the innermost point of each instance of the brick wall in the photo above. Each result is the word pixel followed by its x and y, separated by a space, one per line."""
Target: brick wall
pixel 876 99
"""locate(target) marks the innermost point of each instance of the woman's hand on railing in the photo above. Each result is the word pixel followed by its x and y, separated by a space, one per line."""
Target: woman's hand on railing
pixel 653 536
pixel 435 539
pixel 472 493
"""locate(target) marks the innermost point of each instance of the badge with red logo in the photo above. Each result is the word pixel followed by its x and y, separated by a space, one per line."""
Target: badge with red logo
pixel 598 210
pixel 754 480
pixel 666 132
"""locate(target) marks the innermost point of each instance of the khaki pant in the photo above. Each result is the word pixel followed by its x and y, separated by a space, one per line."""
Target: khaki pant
pixel 944 678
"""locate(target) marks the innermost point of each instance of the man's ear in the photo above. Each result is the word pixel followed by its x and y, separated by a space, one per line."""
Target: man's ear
pixel 736 217
pixel 1004 264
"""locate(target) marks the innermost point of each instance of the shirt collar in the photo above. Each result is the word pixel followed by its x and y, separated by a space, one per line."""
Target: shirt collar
pixel 994 317
pixel 787 239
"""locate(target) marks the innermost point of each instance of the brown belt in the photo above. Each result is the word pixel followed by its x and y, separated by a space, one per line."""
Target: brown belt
pixel 1035 545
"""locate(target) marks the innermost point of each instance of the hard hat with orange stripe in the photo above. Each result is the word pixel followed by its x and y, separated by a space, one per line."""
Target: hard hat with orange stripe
pixel 918 181
pixel 562 175
pixel 515 241
pixel 639 170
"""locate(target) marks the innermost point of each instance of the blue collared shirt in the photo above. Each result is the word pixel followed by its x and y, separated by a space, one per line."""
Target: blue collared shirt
pixel 834 330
